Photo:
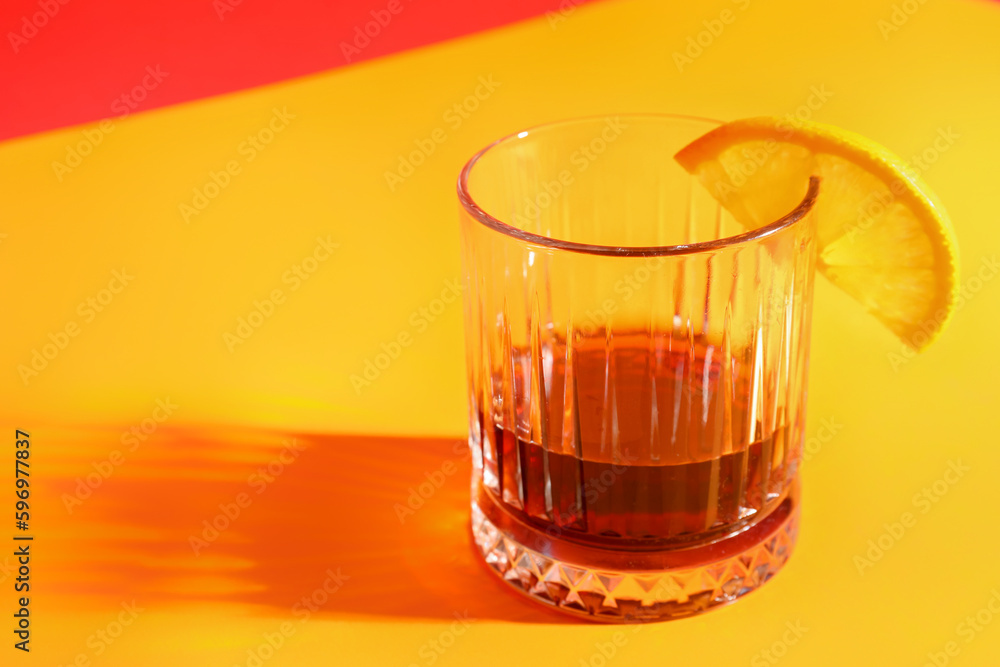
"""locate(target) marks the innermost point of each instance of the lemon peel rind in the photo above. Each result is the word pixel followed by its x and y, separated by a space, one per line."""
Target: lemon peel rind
pixel 877 160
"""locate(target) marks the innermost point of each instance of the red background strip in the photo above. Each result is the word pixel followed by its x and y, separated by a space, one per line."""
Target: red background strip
pixel 88 53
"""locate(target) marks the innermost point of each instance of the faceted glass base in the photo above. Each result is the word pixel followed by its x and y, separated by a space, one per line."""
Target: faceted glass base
pixel 633 585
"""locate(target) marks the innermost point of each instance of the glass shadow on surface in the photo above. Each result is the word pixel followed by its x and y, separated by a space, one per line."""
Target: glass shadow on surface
pixel 267 519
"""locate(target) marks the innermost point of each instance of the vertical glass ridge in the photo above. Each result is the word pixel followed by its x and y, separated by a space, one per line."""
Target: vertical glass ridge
pixel 628 402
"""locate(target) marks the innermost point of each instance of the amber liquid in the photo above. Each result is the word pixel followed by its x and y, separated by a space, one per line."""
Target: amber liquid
pixel 648 442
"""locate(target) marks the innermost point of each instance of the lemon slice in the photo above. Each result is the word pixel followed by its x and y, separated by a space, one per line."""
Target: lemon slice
pixel 883 236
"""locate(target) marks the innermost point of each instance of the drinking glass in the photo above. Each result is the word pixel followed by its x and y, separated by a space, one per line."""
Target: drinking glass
pixel 637 368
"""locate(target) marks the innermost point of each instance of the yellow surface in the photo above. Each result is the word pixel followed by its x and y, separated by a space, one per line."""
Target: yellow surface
pixel 896 421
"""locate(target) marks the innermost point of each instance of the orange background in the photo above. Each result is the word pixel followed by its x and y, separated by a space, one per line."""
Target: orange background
pixel 897 426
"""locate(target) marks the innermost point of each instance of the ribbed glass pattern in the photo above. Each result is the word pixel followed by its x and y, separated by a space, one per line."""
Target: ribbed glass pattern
pixel 639 399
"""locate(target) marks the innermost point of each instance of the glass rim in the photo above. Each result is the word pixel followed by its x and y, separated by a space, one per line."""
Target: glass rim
pixel 757 233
